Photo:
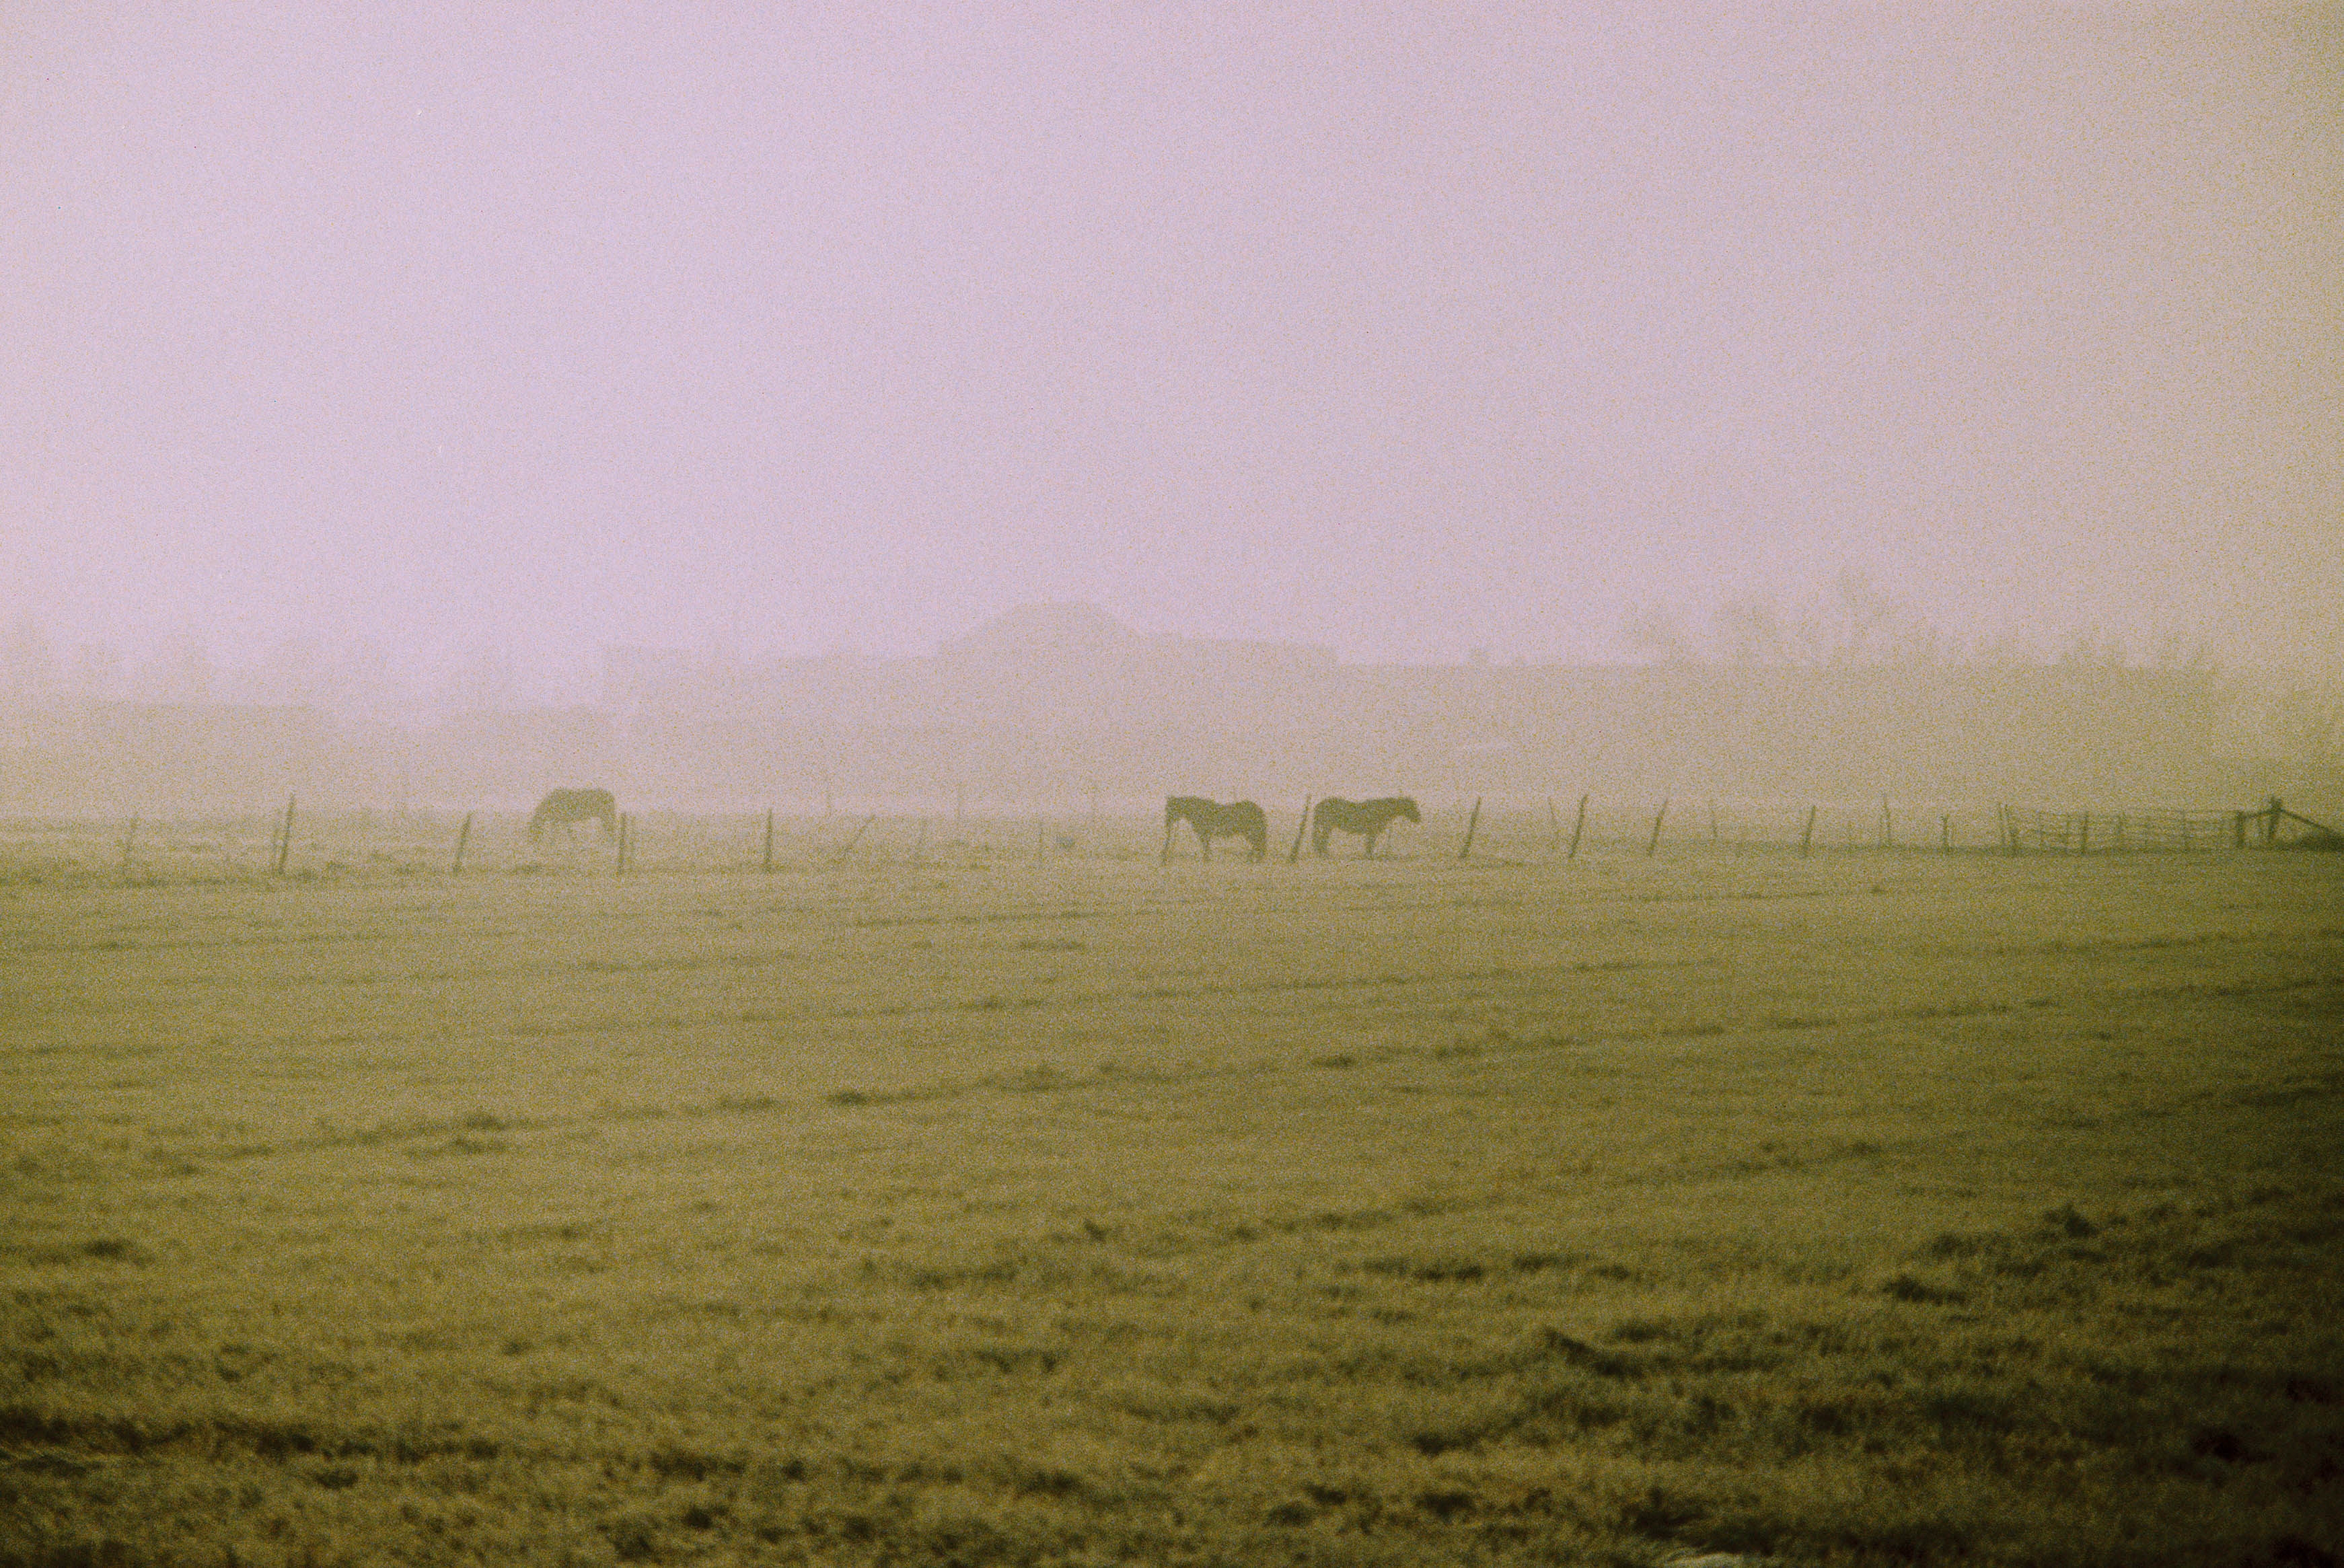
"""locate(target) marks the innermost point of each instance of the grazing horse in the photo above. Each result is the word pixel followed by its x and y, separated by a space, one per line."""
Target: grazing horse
pixel 1362 816
pixel 1242 820
pixel 565 806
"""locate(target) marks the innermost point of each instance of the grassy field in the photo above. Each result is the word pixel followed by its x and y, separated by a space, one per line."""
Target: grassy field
pixel 1866 1208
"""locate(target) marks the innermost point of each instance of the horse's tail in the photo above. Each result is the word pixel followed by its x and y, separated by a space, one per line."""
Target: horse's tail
pixel 1325 818
pixel 1253 822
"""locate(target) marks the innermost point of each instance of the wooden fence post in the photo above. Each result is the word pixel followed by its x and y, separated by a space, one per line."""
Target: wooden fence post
pixel 284 842
pixel 1038 831
pixel 1654 847
pixel 768 863
pixel 1807 838
pixel 1577 828
pixel 2272 812
pixel 1887 825
pixel 2083 833
pixel 1472 822
pixel 1301 826
pixel 463 835
pixel 1946 832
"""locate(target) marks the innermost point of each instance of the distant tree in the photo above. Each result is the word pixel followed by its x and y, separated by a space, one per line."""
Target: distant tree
pixel 1749 632
pixel 2188 656
pixel 2302 731
pixel 1856 624
pixel 2006 651
pixel 1859 624
pixel 1916 643
pixel 2093 649
pixel 1652 630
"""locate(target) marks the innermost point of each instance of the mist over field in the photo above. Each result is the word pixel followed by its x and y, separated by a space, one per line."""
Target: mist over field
pixel 1052 710
pixel 1196 784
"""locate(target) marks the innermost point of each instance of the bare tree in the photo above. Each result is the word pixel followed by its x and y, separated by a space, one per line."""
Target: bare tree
pixel 1749 632
pixel 1652 630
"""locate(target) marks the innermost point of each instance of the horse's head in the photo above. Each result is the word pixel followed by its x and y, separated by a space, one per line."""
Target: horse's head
pixel 1406 806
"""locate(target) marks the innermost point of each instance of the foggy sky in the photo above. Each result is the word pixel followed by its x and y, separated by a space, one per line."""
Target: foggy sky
pixel 1401 329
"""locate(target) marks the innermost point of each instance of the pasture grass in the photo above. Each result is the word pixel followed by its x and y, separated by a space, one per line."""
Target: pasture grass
pixel 1867 1210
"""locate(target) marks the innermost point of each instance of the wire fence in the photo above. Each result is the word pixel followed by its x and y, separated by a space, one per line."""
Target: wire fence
pixel 290 843
pixel 2086 833
pixel 1824 827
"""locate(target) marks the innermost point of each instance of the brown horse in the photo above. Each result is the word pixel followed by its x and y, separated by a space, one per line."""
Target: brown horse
pixel 565 806
pixel 1369 817
pixel 1241 820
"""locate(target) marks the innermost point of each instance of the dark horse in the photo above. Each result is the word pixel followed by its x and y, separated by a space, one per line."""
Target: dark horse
pixel 564 806
pixel 1243 820
pixel 1363 816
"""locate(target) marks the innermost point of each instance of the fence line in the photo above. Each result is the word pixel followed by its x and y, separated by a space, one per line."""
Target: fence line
pixel 1552 830
pixel 1529 829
